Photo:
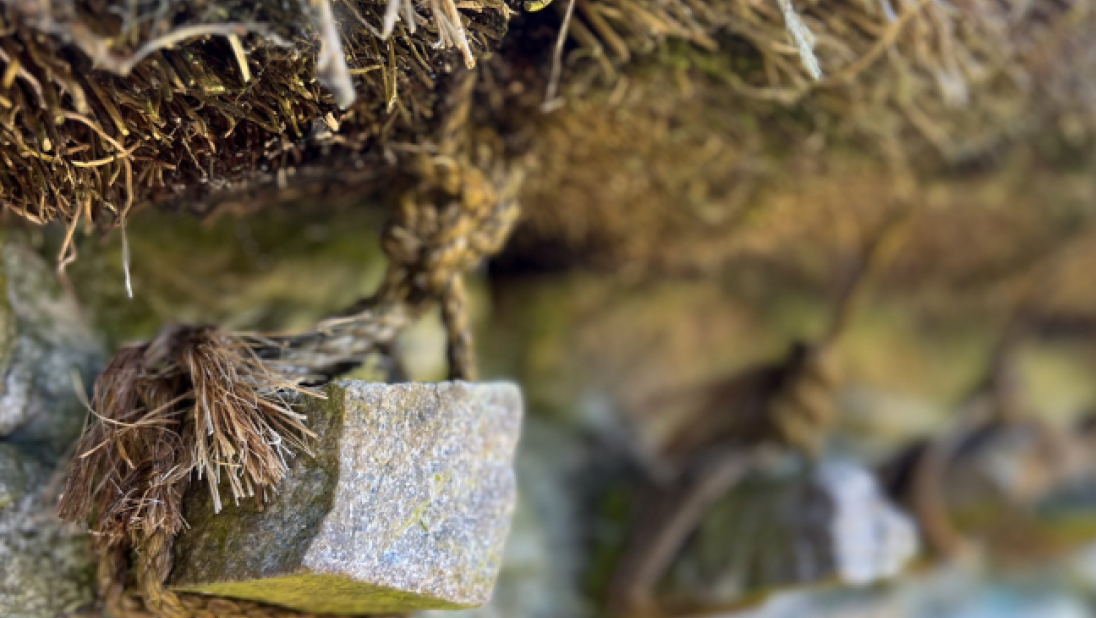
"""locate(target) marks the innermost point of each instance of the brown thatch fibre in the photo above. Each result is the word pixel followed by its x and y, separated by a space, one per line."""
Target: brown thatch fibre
pixel 192 402
pixel 106 105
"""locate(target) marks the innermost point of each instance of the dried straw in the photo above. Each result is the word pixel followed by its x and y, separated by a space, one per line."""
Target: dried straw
pixel 109 105
pixel 194 402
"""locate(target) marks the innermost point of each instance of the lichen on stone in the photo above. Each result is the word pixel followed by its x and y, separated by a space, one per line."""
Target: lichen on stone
pixel 404 504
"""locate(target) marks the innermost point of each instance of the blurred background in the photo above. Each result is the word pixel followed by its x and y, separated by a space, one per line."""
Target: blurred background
pixel 843 412
pixel 802 298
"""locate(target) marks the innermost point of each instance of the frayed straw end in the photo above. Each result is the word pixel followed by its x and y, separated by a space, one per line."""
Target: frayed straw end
pixel 192 401
pixel 246 429
pixel 123 474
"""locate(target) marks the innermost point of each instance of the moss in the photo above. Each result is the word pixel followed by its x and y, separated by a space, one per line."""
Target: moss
pixel 340 595
pixel 278 272
pixel 287 519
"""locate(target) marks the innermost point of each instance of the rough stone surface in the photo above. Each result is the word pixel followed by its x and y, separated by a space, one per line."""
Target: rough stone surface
pixel 405 504
pixel 44 340
pixel 543 573
pixel 45 566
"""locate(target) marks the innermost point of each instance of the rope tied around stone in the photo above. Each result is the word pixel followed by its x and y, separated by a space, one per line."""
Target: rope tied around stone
pixel 201 403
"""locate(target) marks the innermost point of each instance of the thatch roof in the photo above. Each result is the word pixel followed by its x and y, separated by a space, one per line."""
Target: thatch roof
pixel 108 105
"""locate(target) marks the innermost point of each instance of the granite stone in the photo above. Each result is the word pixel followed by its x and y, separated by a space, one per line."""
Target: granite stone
pixel 404 503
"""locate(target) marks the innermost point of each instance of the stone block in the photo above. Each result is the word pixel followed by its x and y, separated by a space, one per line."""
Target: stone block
pixel 404 504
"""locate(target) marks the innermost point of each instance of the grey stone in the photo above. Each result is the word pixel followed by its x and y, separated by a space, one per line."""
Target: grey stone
pixel 405 504
pixel 788 525
pixel 543 569
pixel 45 565
pixel 44 341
